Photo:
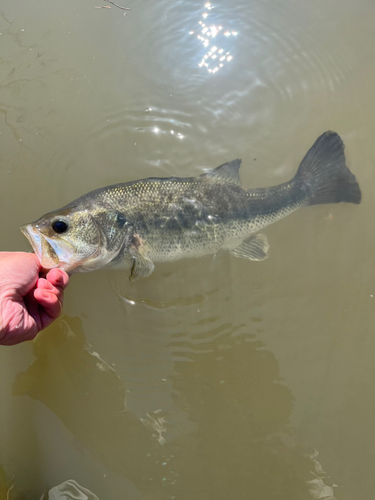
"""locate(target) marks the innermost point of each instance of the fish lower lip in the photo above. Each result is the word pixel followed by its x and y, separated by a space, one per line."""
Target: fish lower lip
pixel 42 248
pixel 33 238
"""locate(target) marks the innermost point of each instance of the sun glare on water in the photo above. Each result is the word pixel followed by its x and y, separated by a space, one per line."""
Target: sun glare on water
pixel 213 38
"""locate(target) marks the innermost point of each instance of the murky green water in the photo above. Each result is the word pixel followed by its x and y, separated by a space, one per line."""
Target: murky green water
pixel 215 378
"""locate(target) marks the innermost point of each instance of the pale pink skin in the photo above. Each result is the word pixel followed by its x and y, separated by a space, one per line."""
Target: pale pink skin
pixel 28 303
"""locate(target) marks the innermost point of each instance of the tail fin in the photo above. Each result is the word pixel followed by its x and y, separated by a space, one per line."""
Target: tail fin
pixel 324 173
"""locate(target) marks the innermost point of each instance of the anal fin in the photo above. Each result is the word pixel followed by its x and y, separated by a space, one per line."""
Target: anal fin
pixel 253 248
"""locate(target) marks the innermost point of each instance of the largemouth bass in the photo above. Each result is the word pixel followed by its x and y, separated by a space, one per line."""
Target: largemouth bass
pixel 142 222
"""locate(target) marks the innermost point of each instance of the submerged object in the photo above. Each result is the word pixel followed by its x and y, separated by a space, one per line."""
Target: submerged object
pixel 153 220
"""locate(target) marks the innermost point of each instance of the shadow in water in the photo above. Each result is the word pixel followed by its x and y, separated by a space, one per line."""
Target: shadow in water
pixel 87 396
pixel 242 444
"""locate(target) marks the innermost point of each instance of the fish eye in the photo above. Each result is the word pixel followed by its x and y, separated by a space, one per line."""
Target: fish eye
pixel 60 226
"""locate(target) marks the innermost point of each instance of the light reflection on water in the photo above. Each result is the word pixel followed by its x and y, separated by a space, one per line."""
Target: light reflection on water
pixel 216 56
pixel 214 377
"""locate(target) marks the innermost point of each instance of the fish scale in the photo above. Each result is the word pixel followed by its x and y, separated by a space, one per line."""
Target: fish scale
pixel 214 216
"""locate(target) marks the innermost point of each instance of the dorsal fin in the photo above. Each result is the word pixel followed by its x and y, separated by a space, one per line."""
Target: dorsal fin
pixel 228 172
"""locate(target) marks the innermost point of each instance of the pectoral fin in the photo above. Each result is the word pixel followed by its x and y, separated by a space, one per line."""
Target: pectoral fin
pixel 142 267
pixel 253 248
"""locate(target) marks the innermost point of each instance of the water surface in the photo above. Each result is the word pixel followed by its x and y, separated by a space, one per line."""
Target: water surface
pixel 216 377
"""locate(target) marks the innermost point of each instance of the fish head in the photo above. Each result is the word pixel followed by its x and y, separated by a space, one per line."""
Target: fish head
pixel 75 239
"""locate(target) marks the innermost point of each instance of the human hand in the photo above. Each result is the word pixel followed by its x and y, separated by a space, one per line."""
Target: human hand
pixel 28 303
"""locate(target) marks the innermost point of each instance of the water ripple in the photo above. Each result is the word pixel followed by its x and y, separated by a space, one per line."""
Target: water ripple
pixel 273 66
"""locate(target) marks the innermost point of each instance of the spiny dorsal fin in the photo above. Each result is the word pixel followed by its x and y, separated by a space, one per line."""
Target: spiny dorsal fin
pixel 228 172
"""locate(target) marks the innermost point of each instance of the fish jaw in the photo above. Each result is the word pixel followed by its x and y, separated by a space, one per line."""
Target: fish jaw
pixel 50 253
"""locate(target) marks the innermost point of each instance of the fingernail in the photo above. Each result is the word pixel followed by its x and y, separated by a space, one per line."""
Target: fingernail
pixel 47 285
pixel 45 295
pixel 59 277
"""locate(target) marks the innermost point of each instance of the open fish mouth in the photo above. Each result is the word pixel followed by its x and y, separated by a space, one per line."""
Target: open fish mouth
pixel 50 253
